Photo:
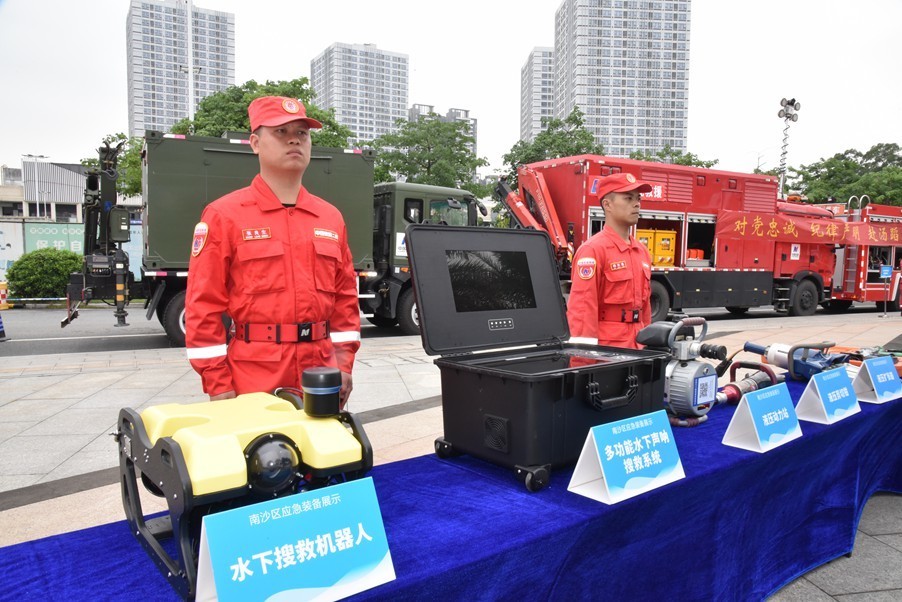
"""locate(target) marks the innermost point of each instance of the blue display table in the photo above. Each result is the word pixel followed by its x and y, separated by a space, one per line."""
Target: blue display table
pixel 739 526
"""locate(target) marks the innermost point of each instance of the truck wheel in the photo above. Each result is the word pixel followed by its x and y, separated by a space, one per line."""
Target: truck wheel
pixel 804 300
pixel 660 301
pixel 890 306
pixel 737 311
pixel 382 321
pixel 408 317
pixel 174 319
pixel 836 306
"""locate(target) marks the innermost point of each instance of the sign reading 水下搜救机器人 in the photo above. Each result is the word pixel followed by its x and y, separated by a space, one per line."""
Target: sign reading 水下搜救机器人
pixel 51 235
pixel 626 458
pixel 324 544
pixel 828 397
pixel 877 380
pixel 764 420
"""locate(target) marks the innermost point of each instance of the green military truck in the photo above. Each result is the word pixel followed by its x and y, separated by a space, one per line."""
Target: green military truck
pixel 182 174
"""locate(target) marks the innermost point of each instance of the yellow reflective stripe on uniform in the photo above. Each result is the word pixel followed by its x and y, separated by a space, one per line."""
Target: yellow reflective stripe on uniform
pixel 583 340
pixel 345 337
pixel 202 353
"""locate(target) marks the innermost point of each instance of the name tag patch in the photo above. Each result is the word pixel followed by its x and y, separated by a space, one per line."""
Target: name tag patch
pixel 256 233
pixel 618 265
pixel 321 233
pixel 585 267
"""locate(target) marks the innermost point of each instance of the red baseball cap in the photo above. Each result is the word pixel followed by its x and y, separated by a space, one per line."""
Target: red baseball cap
pixel 272 111
pixel 621 182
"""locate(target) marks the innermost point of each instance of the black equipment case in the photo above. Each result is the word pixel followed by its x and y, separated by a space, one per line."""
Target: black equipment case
pixel 514 392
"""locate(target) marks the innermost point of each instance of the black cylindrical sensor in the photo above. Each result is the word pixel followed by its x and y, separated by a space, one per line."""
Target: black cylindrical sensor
pixel 321 387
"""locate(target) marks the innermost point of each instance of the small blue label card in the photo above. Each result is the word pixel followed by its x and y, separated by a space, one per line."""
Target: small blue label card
pixel 877 381
pixel 325 544
pixel 828 397
pixel 626 458
pixel 764 420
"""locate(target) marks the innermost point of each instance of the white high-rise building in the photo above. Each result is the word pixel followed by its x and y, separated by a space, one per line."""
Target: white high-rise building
pixel 366 86
pixel 160 66
pixel 625 64
pixel 536 92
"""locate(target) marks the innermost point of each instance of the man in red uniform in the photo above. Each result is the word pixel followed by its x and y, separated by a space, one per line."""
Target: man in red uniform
pixel 276 259
pixel 610 296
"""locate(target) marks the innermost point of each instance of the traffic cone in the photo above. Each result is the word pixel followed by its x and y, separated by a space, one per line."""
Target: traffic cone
pixel 2 331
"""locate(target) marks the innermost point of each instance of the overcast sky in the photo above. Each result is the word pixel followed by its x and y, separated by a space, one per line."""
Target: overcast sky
pixel 63 84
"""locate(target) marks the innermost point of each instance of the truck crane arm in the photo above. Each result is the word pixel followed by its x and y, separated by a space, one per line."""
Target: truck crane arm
pixel 532 207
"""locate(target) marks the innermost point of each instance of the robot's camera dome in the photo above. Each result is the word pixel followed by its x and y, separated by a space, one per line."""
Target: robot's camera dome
pixel 272 464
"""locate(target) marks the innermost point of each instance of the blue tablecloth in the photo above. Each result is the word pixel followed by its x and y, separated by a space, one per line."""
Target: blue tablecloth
pixel 738 527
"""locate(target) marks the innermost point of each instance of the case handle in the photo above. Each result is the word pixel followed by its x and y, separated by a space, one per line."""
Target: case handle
pixel 631 387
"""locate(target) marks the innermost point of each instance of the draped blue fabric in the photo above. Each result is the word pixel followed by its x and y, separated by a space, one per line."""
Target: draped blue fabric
pixel 738 527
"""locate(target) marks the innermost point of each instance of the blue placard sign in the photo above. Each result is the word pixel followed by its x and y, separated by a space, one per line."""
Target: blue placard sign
pixel 828 397
pixel 626 458
pixel 877 380
pixel 764 420
pixel 886 271
pixel 326 544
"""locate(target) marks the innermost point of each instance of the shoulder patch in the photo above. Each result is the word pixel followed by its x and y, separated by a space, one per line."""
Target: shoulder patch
pixel 200 238
pixel 585 267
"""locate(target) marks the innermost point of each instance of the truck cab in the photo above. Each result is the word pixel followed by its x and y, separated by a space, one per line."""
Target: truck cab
pixel 386 293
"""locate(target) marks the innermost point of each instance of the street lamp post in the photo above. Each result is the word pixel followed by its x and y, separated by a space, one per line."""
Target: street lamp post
pixel 788 115
pixel 43 196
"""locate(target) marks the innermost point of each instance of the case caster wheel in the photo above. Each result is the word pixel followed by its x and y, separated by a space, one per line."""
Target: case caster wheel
pixel 444 450
pixel 535 478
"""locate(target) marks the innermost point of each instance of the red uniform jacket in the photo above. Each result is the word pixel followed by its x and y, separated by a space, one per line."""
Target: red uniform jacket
pixel 610 295
pixel 266 264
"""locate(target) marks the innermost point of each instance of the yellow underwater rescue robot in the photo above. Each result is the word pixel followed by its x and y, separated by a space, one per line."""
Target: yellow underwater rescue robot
pixel 209 457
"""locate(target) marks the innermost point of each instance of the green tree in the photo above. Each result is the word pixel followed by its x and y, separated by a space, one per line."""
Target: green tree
pixel 428 151
pixel 883 186
pixel 226 110
pixel 43 273
pixel 560 138
pixel 672 156
pixel 876 173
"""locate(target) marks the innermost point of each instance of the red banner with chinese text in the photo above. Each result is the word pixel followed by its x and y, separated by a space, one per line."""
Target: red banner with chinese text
pixel 791 228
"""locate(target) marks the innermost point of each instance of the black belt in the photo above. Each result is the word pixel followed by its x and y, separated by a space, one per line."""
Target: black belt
pixel 628 316
pixel 283 333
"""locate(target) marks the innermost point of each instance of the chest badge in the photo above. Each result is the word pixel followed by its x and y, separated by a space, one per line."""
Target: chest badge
pixel 256 233
pixel 618 265
pixel 323 233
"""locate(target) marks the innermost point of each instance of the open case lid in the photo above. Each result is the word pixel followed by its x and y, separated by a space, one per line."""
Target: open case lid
pixel 484 288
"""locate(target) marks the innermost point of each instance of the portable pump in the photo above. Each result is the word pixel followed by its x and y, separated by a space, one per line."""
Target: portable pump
pixel 690 385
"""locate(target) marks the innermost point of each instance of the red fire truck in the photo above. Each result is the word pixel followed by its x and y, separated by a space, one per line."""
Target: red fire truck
pixel 717 238
pixel 872 239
